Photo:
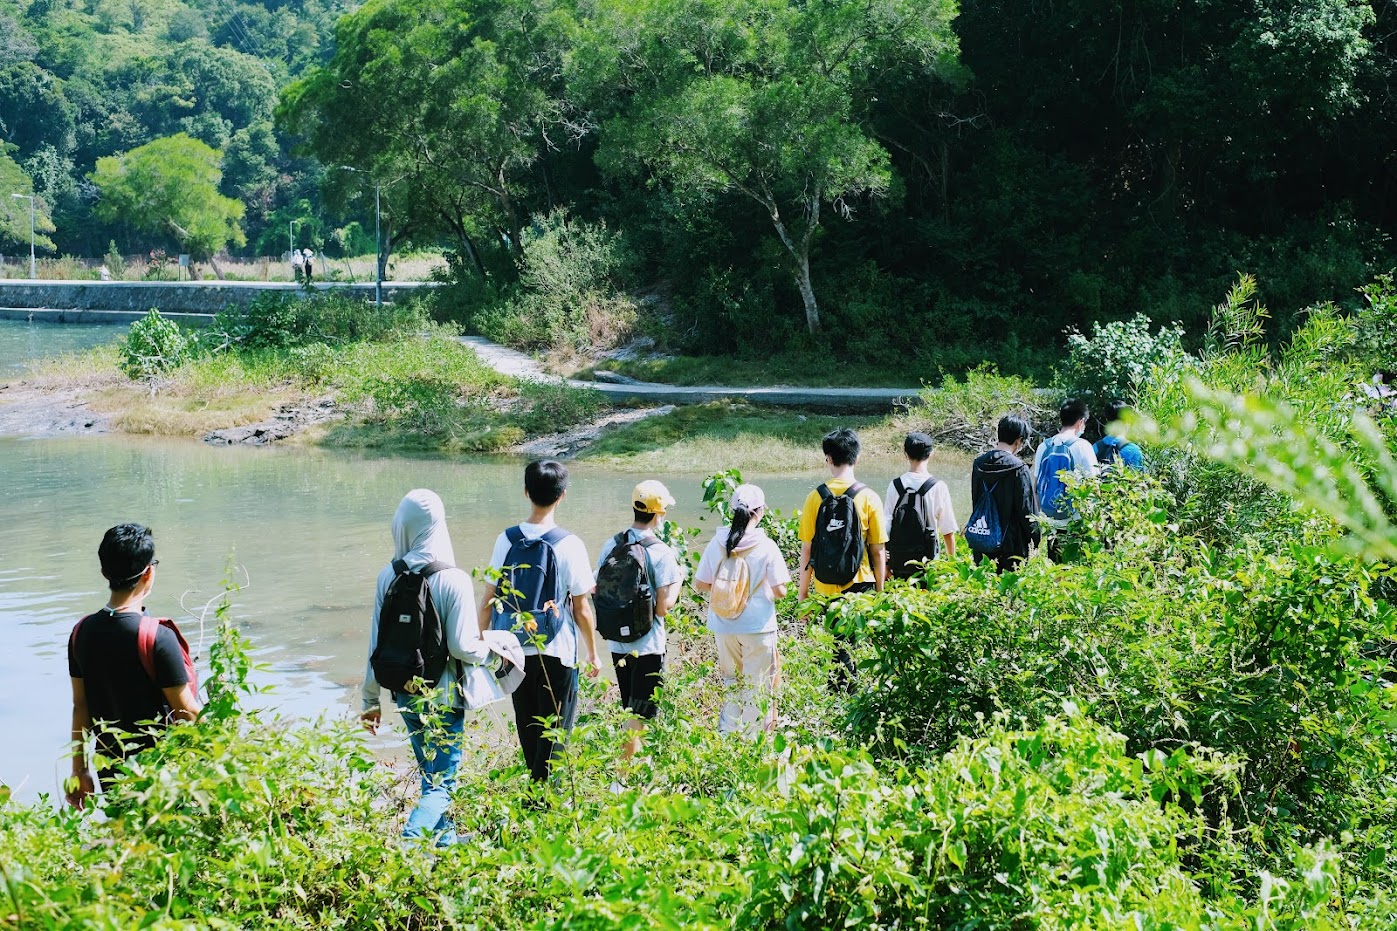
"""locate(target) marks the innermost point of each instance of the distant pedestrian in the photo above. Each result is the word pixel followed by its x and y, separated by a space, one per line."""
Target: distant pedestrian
pixel 308 264
pixel 744 575
pixel 638 583
pixel 1113 448
pixel 131 673
pixel 1003 501
pixel 843 537
pixel 544 596
pixel 426 649
pixel 917 510
pixel 105 273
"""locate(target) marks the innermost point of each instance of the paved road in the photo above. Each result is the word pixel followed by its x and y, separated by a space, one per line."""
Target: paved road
pixel 511 362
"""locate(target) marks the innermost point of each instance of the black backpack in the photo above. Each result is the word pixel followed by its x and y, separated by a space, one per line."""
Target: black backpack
pixel 913 534
pixel 836 553
pixel 411 642
pixel 531 583
pixel 625 596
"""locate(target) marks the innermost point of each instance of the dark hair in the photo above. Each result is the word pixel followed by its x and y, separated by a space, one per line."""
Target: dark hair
pixel 126 552
pixel 741 517
pixel 1012 428
pixel 917 446
pixel 842 446
pixel 1115 409
pixel 1072 411
pixel 545 480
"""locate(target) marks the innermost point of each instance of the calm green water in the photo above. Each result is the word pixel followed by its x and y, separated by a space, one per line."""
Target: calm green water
pixel 21 343
pixel 310 528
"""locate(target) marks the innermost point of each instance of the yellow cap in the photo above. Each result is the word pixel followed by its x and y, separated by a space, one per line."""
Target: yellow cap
pixel 652 497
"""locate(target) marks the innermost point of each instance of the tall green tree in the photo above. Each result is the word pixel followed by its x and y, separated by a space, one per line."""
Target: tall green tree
pixel 171 185
pixel 457 100
pixel 758 97
pixel 14 211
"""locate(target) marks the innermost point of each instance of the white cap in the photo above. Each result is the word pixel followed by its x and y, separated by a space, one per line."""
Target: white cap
pixel 749 497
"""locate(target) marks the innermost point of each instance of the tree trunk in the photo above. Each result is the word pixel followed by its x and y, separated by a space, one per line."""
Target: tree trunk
pixel 807 291
pixel 800 254
pixel 511 214
pixel 217 272
pixel 385 248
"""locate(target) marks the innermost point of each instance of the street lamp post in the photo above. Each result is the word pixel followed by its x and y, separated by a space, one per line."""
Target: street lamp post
pixel 378 235
pixel 33 267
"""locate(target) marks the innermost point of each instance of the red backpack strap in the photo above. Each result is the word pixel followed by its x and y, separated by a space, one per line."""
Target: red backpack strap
pixel 145 646
pixel 73 637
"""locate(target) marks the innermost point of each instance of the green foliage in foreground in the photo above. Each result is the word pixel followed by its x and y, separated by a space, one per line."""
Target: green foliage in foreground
pixel 155 345
pixel 247 821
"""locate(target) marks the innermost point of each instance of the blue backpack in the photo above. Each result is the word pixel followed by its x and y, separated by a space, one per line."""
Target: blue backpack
pixel 985 532
pixel 531 583
pixel 1052 492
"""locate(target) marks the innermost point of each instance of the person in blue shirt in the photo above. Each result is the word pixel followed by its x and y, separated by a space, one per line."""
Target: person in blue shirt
pixel 1113 448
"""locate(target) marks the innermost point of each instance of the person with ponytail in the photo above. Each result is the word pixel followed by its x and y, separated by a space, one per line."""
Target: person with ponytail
pixel 744 574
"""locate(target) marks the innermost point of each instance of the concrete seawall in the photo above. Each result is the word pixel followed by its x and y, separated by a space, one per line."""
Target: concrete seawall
pixel 123 301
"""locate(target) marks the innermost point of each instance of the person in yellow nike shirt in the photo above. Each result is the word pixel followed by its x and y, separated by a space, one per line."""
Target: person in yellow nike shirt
pixel 837 558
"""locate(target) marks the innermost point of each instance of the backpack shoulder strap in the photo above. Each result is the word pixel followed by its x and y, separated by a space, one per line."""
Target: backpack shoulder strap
pixel 926 486
pixel 513 534
pixel 853 490
pixel 145 644
pixel 435 566
pixel 825 493
pixel 73 637
pixel 555 536
pixel 898 486
pixel 620 539
pixel 399 567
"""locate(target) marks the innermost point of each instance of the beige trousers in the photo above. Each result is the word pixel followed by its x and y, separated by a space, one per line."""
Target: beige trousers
pixel 749 668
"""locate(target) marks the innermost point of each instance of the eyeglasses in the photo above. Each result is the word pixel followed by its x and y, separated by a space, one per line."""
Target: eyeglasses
pixel 127 583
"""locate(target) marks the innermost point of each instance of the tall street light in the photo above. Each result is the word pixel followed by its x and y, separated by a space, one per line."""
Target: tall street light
pixel 33 268
pixel 378 234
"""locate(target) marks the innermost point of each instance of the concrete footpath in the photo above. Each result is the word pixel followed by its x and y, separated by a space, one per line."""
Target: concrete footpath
pixel 511 362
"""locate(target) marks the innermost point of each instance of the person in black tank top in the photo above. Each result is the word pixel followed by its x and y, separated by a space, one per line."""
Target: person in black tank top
pixel 115 687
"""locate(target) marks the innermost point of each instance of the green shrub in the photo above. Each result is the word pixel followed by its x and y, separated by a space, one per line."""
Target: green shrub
pixel 277 321
pixel 1055 828
pixel 570 290
pixel 155 345
pixel 1376 329
pixel 1119 358
pixel 964 413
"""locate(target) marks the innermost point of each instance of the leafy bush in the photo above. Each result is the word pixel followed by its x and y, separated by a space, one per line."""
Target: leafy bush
pixel 277 321
pixel 1119 358
pixel 570 295
pixel 1376 330
pixel 1061 823
pixel 965 413
pixel 155 345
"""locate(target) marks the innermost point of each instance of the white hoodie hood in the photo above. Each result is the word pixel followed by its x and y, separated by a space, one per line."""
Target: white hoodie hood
pixel 419 530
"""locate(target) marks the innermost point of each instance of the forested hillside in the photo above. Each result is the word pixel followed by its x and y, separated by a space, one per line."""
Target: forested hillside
pixel 80 81
pixel 958 182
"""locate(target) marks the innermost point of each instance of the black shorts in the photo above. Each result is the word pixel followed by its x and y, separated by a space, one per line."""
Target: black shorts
pixel 638 677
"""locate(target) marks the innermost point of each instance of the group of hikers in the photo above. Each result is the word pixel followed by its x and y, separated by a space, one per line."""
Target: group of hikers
pixel 439 651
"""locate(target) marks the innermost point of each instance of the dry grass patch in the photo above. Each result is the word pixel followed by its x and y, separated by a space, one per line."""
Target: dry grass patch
pixel 178 413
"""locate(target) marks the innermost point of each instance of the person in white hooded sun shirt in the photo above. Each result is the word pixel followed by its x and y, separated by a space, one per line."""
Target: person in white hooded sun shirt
pixel 435 722
pixel 747 653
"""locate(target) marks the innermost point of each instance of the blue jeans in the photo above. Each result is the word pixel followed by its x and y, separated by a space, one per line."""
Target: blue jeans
pixel 438 752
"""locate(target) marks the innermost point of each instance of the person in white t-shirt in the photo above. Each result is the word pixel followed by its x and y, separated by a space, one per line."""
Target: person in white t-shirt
pixel 640 663
pixel 936 503
pixel 555 627
pixel 748 659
